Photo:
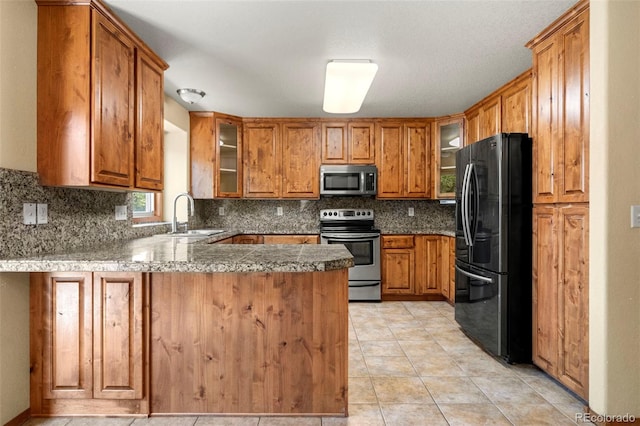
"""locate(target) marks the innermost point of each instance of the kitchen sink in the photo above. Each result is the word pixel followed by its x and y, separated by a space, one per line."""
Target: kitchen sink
pixel 192 233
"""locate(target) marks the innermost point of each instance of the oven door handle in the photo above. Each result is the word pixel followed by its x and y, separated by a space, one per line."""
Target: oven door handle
pixel 350 237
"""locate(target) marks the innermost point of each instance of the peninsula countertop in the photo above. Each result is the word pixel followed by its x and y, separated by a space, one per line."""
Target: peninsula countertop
pixel 163 254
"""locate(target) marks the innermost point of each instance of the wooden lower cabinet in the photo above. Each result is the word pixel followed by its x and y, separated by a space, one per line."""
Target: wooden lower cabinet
pixel 561 293
pixel 412 267
pixel 88 334
pixel 275 239
pixel 446 268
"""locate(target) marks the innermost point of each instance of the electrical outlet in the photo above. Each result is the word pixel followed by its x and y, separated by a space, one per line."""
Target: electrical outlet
pixel 121 212
pixel 42 215
pixel 29 213
pixel 411 212
pixel 220 211
pixel 279 211
pixel 635 216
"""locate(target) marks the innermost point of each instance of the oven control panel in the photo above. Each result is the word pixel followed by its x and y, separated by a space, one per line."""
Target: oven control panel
pixel 346 214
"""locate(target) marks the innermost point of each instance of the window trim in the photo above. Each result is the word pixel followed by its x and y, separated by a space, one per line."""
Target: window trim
pixel 156 215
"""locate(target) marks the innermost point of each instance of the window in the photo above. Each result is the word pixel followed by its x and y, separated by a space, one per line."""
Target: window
pixel 146 206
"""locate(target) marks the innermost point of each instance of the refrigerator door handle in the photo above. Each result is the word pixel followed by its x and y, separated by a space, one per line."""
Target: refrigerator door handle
pixel 463 204
pixel 468 212
pixel 476 203
pixel 474 276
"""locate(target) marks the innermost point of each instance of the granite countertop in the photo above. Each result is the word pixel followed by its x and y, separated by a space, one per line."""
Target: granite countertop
pixel 162 254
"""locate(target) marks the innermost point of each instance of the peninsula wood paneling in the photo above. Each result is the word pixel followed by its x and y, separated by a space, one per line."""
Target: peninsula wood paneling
pixel 250 343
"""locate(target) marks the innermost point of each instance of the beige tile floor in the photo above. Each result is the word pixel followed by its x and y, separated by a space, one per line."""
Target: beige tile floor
pixel 409 364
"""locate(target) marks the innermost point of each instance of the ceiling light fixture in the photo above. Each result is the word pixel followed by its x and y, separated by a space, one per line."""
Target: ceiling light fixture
pixel 346 85
pixel 191 96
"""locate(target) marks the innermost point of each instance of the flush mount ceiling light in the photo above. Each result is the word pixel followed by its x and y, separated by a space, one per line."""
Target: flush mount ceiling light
pixel 346 85
pixel 191 96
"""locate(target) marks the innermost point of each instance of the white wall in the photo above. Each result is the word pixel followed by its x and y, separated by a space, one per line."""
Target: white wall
pixel 614 299
pixel 176 158
pixel 17 151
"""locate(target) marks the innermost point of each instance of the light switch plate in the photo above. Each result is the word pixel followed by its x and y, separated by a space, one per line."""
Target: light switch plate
pixel 279 211
pixel 635 216
pixel 121 212
pixel 29 213
pixel 220 211
pixel 411 212
pixel 42 213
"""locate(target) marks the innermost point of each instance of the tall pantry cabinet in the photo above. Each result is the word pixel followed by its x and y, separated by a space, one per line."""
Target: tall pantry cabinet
pixel 560 130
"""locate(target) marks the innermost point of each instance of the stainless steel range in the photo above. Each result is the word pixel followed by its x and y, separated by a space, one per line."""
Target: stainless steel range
pixel 355 229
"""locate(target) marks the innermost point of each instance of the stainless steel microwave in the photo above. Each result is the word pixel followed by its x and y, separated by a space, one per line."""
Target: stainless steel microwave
pixel 348 180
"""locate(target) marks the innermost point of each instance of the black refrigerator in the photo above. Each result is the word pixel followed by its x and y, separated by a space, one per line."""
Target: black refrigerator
pixel 493 244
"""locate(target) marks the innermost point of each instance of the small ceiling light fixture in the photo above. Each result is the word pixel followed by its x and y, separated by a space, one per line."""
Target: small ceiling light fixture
pixel 346 85
pixel 191 96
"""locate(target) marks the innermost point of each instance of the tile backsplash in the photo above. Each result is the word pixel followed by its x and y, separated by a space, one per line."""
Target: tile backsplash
pixel 76 217
pixel 302 217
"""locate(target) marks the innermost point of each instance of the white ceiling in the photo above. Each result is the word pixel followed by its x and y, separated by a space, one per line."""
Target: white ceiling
pixel 267 58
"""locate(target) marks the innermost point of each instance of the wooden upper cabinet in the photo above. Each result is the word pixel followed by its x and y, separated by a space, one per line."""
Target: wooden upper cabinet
pixel 491 117
pixel 100 100
pixel 281 159
pixel 507 110
pixel 300 154
pixel 516 106
pixel 403 157
pixel 560 112
pixel 261 158
pixel 202 135
pixel 348 142
pixel 472 127
pixel 149 154
pixel 216 155
pixel 448 139
pixel 113 76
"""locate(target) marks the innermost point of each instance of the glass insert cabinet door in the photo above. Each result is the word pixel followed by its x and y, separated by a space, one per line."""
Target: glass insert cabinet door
pixel 229 167
pixel 449 139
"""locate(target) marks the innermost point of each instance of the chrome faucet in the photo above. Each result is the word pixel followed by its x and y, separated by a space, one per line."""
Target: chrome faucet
pixel 174 222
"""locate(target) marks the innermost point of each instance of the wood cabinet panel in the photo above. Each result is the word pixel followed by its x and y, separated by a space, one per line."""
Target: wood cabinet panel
pixel 545 276
pixel 573 299
pixel 472 127
pixel 398 241
pixel 389 158
pixel 202 153
pixel 334 143
pixel 149 154
pixel 291 239
pixel 490 118
pixel 88 355
pixel 300 160
pixel 418 160
pixel 561 113
pixel 100 101
pixel 248 239
pixel 560 293
pixel 516 107
pixel 112 156
pixel 443 266
pixel 118 335
pixel 452 269
pixel 262 344
pixel 61 338
pixel 398 274
pixel 262 160
pixel 428 258
pixel 403 157
pixel 348 142
pixel 574 100
pixel 361 142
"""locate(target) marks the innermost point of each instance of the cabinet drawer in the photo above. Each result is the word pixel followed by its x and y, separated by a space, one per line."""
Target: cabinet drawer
pixel 397 241
pixel 290 239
